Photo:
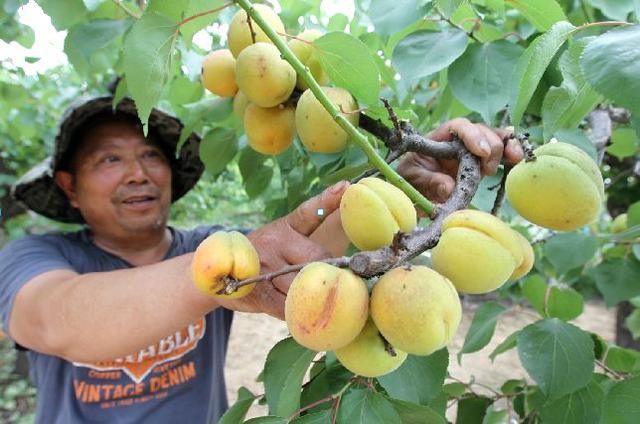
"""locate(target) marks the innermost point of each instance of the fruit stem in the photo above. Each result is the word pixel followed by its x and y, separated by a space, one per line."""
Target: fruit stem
pixel 360 139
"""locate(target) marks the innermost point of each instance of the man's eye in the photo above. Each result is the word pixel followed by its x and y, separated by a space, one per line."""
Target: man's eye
pixel 110 159
pixel 152 154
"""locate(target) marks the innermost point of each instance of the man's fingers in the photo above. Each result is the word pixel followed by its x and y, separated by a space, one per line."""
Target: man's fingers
pixel 513 152
pixel 299 249
pixel 310 214
pixel 471 135
pixel 426 175
pixel 490 164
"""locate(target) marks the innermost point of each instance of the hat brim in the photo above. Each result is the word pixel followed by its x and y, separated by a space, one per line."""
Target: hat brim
pixel 38 191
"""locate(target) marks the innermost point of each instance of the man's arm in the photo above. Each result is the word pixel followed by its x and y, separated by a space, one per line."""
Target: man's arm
pixel 83 317
pixel 105 315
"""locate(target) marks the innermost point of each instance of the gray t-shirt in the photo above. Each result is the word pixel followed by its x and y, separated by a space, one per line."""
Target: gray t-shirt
pixel 178 379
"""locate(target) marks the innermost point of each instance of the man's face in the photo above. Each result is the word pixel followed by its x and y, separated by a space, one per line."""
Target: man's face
pixel 120 182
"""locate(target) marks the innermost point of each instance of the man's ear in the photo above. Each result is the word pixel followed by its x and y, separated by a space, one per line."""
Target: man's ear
pixel 65 181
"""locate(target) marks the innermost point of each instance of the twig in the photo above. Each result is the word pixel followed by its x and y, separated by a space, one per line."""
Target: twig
pixel 453 24
pixel 497 204
pixel 608 370
pixel 393 117
pixel 601 128
pixel 232 284
pixel 392 155
pixel 206 12
pixel 601 23
pixel 253 33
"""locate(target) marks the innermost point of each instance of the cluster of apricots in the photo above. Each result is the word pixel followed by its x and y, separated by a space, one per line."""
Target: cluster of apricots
pixel 411 309
pixel 253 72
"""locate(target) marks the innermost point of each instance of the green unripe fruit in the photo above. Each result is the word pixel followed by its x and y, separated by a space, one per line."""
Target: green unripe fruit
pixel 373 210
pixel 317 130
pixel 239 35
pixel 263 76
pixel 619 224
pixel 562 189
pixel 367 354
pixel 416 309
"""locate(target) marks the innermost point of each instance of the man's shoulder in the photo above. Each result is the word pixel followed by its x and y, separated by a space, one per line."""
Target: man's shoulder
pixel 47 239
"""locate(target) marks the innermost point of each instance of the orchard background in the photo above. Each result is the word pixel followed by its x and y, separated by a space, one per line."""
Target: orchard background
pixel 567 69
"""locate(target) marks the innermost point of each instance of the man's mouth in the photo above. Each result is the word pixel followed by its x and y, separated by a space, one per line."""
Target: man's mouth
pixel 138 199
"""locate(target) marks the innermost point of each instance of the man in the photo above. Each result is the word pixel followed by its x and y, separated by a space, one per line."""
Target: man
pixel 114 327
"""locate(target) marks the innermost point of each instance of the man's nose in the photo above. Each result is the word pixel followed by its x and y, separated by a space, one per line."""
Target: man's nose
pixel 136 171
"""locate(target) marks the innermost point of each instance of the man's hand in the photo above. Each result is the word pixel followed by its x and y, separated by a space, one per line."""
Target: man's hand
pixel 286 242
pixel 436 178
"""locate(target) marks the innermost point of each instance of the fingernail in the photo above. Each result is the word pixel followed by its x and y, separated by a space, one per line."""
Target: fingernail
pixel 336 188
pixel 442 191
pixel 484 145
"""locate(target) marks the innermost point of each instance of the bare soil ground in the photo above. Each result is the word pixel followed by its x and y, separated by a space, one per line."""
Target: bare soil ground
pixel 253 335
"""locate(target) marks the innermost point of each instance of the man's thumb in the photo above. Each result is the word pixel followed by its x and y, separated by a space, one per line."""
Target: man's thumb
pixel 310 214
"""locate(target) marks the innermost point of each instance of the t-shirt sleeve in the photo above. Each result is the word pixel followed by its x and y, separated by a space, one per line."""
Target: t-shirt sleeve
pixel 22 260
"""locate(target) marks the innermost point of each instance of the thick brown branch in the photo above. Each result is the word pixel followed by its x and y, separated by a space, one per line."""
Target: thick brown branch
pixel 600 130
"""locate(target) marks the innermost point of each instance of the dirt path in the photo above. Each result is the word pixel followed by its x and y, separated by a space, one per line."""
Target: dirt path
pixel 253 335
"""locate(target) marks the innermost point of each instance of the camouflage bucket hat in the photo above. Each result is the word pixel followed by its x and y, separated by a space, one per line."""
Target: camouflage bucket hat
pixel 38 191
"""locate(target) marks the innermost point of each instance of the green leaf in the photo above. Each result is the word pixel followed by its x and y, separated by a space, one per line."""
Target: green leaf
pixel 482 327
pixel 218 147
pixel 419 379
pixel 349 64
pixel 633 215
pixel 63 14
pixel 623 360
pixel 27 36
pixel 557 355
pixel 423 52
pixel 617 279
pixel 531 66
pixel 454 389
pixel 472 410
pixel 567 105
pixel 169 8
pixel 147 60
pixel 271 419
pixel 390 17
pixel 496 416
pixel 507 344
pixel 580 407
pixel 256 176
pixel 624 143
pixel 486 92
pixel 633 323
pixel 183 90
pixel 286 365
pixel 561 302
pixel 541 13
pixel 189 29
pixel 411 413
pixel 208 110
pixel 448 7
pixel 617 9
pixel 612 61
pixel 321 417
pixel 568 251
pixel 362 406
pixel 237 411
pixel 85 39
pixel 621 404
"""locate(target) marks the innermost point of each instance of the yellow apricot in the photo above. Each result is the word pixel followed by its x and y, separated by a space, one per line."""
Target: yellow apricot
pixel 240 103
pixel 326 307
pixel 528 258
pixel 303 49
pixel 562 189
pixel 373 210
pixel 416 309
pixel 224 254
pixel 477 251
pixel 317 130
pixel 239 34
pixel 368 356
pixel 265 78
pixel 269 130
pixel 219 73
